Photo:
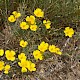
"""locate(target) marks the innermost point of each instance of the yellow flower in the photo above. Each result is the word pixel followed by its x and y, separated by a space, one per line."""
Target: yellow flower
pixel 23 70
pixel 23 43
pixel 12 18
pixel 22 56
pixel 10 55
pixel 16 14
pixel 38 12
pixel 37 55
pixel 43 46
pixel 58 51
pixel 1 65
pixel 52 48
pixel 31 66
pixel 69 31
pixel 1 52
pixel 6 69
pixel 33 27
pixel 30 19
pixel 24 25
pixel 23 64
pixel 47 24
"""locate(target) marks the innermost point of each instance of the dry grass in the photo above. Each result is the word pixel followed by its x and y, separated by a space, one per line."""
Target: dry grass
pixel 53 67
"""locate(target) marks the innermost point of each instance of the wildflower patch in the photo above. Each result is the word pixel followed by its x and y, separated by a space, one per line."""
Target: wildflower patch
pixel 30 23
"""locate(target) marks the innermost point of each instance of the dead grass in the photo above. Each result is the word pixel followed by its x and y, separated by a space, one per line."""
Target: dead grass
pixel 64 67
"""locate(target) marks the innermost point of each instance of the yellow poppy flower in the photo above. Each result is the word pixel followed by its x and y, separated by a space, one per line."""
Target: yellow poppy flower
pixel 30 19
pixel 24 25
pixel 43 46
pixel 47 24
pixel 1 52
pixel 23 43
pixel 12 18
pixel 52 48
pixel 37 55
pixel 21 56
pixel 6 69
pixel 23 64
pixel 1 65
pixel 16 14
pixel 23 70
pixel 33 27
pixel 39 13
pixel 31 66
pixel 69 31
pixel 10 55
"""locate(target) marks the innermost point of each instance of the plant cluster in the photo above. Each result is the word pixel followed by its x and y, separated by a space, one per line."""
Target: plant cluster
pixel 30 22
